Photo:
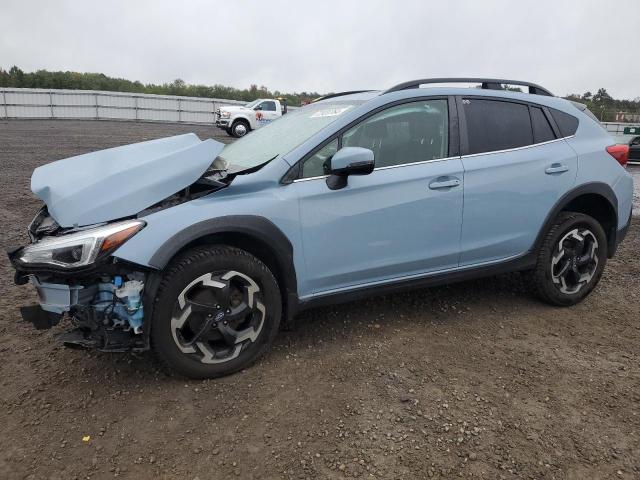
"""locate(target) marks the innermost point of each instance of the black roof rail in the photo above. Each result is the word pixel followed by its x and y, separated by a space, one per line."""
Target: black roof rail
pixel 339 94
pixel 487 83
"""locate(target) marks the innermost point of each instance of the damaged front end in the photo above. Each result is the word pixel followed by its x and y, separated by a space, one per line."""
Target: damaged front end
pixel 75 275
pixel 93 204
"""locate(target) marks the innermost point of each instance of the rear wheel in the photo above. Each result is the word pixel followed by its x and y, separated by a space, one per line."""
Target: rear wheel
pixel 218 309
pixel 571 259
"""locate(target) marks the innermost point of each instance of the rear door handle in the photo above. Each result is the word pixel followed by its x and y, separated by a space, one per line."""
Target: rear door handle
pixel 556 168
pixel 444 182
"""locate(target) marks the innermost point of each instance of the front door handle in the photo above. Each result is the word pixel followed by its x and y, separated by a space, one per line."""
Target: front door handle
pixel 444 182
pixel 556 168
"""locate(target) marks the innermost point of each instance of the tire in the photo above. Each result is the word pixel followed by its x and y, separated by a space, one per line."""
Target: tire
pixel 240 128
pixel 229 132
pixel 571 259
pixel 225 293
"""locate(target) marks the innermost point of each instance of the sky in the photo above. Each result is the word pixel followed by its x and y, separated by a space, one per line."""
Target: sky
pixel 567 46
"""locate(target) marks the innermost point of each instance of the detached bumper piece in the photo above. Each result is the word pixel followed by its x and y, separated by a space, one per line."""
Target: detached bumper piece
pixel 102 340
pixel 41 319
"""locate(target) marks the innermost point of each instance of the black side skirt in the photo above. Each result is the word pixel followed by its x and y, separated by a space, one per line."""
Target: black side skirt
pixel 524 262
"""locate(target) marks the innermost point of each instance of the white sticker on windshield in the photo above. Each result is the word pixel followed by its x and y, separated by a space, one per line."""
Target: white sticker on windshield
pixel 330 112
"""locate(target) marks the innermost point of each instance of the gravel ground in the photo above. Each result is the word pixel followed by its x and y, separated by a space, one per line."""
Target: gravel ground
pixel 474 380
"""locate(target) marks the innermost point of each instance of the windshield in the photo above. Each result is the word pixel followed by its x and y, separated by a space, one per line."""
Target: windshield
pixel 252 104
pixel 282 135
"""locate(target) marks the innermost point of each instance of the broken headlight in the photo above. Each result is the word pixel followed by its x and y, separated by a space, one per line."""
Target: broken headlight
pixel 81 248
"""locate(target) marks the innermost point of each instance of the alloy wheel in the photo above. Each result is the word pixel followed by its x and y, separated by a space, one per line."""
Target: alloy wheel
pixel 217 315
pixel 576 260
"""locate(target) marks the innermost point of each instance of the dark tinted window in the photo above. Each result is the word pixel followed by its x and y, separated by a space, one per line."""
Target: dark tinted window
pixel 542 131
pixel 568 124
pixel 495 125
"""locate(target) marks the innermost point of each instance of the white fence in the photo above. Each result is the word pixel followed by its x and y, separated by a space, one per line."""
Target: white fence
pixel 617 128
pixel 89 104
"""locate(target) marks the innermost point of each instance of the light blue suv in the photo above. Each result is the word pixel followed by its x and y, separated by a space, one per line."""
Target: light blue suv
pixel 201 251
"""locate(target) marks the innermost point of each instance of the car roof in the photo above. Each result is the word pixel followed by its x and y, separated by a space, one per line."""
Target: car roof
pixel 379 96
pixel 495 85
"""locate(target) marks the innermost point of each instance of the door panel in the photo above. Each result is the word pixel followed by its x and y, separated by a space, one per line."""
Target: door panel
pixel 507 196
pixel 384 225
pixel 267 114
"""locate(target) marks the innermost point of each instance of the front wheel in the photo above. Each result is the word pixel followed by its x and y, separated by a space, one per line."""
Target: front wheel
pixel 217 310
pixel 571 259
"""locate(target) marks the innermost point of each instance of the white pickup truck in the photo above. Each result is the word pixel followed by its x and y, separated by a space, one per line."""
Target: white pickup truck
pixel 237 120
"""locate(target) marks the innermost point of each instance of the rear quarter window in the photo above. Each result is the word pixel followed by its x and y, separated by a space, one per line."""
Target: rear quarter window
pixel 542 131
pixel 568 124
pixel 494 125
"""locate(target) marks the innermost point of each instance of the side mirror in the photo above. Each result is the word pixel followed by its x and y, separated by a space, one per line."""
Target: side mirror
pixel 258 107
pixel 349 161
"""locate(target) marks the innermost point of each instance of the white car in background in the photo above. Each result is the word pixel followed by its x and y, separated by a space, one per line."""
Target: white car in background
pixel 237 121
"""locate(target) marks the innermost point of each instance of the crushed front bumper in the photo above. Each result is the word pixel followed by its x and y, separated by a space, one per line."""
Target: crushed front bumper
pixel 55 300
pixel 95 323
pixel 56 297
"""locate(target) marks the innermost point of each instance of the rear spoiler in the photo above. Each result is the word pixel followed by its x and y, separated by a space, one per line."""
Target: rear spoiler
pixel 583 108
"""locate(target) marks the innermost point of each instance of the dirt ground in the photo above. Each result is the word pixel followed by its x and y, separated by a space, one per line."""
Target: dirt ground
pixel 474 380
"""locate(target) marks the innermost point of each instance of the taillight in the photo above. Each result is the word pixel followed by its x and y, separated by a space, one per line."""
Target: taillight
pixel 620 153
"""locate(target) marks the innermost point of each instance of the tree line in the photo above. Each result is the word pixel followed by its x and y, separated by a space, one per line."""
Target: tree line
pixel 606 108
pixel 15 77
pixel 601 103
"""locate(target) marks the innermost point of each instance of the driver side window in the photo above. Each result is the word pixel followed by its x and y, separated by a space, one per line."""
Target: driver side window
pixel 407 133
pixel 402 134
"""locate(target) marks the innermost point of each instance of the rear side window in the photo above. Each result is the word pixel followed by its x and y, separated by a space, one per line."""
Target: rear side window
pixel 542 131
pixel 494 125
pixel 568 124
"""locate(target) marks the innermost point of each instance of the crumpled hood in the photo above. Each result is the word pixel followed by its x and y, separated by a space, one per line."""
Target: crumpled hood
pixel 120 182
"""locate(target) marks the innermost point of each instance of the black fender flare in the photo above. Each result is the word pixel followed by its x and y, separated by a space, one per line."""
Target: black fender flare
pixel 252 226
pixel 597 188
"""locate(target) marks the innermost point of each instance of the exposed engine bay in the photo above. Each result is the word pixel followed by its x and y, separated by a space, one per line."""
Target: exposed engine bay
pixel 106 313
